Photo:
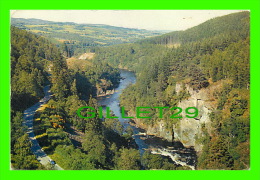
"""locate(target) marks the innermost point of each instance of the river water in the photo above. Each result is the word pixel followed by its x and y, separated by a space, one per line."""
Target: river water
pixel 175 151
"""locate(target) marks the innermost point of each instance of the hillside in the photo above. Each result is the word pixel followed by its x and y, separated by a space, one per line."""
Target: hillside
pixel 205 69
pixel 209 69
pixel 219 27
pixel 82 36
pixel 35 63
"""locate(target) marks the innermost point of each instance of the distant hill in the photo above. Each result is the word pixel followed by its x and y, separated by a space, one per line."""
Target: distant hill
pixel 83 35
pixel 204 39
pixel 229 25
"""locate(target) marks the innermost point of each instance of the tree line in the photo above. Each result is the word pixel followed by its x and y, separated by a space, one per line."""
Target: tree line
pixel 217 50
pixel 36 62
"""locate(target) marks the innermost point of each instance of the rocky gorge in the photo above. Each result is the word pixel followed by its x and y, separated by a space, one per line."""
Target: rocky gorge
pixel 187 130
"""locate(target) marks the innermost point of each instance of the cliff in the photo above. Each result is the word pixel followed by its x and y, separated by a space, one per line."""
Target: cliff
pixel 187 130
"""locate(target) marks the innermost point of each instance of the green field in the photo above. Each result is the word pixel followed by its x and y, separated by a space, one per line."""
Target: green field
pixel 82 36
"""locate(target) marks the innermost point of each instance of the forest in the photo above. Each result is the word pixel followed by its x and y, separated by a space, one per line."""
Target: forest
pixel 214 52
pixel 32 58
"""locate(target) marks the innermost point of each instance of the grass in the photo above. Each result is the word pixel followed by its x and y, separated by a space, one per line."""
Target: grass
pixel 74 63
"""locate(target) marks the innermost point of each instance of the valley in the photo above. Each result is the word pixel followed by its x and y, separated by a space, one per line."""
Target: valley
pixel 205 67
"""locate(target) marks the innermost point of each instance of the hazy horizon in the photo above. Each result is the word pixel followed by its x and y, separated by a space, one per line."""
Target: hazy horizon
pixel 164 20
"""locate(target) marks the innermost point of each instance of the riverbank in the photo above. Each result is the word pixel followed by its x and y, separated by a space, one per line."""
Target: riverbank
pixel 187 156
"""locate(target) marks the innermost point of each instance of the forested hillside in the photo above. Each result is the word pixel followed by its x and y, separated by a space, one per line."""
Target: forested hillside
pixel 35 62
pixel 30 56
pixel 214 52
pixel 211 59
pixel 226 28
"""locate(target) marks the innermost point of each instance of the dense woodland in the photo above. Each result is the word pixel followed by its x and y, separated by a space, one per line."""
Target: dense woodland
pixel 213 51
pixel 35 63
pixel 217 50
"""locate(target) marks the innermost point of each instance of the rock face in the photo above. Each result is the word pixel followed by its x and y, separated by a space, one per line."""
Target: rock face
pixel 101 92
pixel 104 88
pixel 187 129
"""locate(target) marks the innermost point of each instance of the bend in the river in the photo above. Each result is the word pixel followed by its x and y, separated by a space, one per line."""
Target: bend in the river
pixel 188 158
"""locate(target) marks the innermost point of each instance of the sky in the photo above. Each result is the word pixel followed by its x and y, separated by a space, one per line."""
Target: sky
pixel 171 20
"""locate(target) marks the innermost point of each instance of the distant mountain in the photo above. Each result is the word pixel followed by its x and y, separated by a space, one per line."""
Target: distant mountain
pixel 84 34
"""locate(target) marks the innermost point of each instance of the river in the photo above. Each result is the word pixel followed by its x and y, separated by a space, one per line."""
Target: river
pixel 175 151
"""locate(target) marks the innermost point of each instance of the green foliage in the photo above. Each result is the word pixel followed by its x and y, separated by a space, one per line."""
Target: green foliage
pixel 232 24
pixel 71 89
pixel 128 159
pixel 16 128
pixel 222 95
pixel 27 68
pixel 122 55
pixel 102 76
pixel 218 156
pixel 114 125
pixel 217 50
pixel 73 159
pixel 213 51
pixel 57 137
pixel 228 148
pixel 198 79
pixel 94 146
pixel 217 54
pixel 22 158
pixel 21 155
pixel 60 78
